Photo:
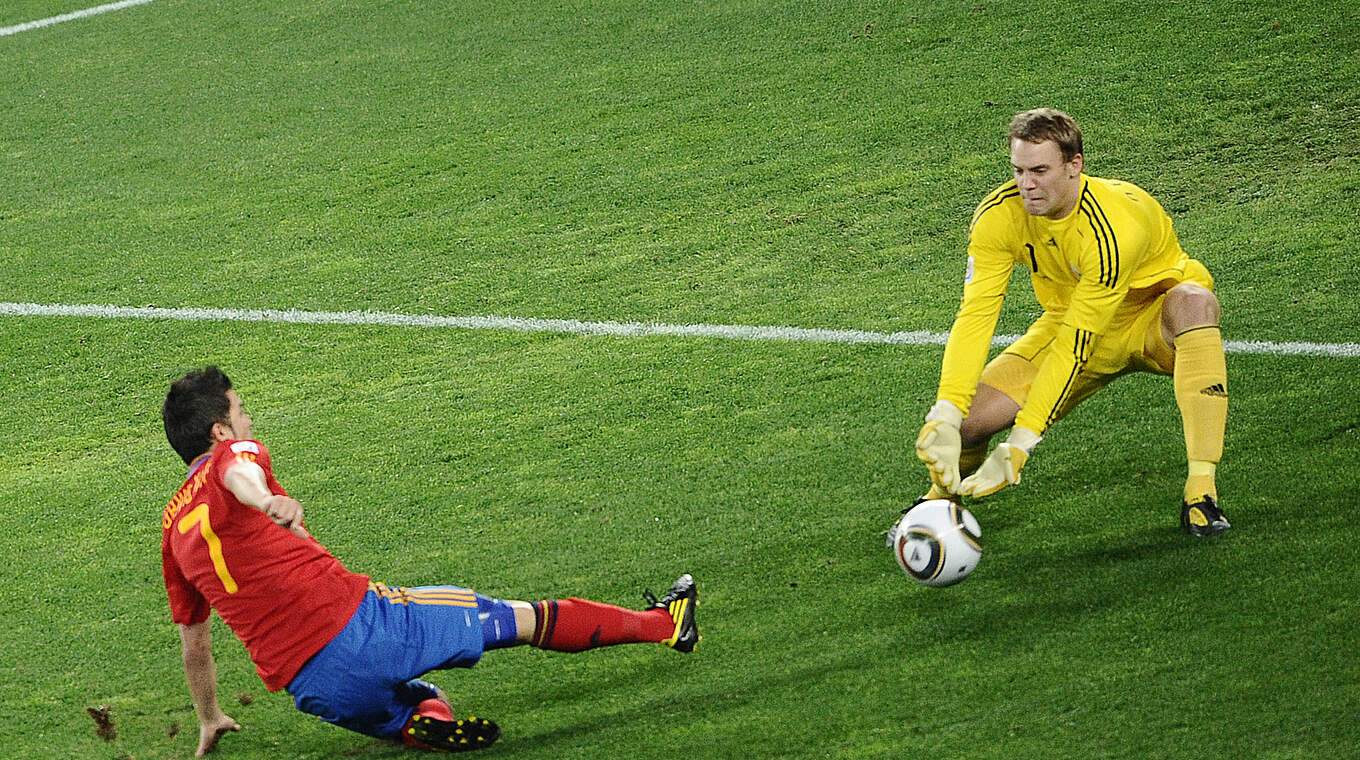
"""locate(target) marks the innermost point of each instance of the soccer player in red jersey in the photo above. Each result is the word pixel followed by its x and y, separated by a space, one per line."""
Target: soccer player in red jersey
pixel 348 649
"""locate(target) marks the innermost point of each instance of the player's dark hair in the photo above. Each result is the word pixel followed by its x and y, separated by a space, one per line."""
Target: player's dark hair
pixel 195 402
pixel 1042 124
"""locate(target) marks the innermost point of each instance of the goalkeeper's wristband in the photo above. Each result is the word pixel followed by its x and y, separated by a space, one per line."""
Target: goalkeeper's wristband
pixel 1024 438
pixel 946 412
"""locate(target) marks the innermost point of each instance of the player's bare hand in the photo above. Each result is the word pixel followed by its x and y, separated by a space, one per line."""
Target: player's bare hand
pixel 210 731
pixel 285 511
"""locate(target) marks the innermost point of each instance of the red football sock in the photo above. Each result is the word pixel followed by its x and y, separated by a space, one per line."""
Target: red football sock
pixel 575 625
pixel 434 708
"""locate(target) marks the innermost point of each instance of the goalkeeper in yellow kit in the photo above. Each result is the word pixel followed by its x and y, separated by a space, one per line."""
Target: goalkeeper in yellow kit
pixel 1118 295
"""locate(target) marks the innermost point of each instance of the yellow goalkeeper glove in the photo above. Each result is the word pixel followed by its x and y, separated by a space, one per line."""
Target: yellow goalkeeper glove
pixel 1003 465
pixel 938 444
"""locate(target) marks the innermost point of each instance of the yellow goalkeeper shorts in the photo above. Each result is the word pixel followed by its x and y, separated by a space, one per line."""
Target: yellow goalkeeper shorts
pixel 1133 342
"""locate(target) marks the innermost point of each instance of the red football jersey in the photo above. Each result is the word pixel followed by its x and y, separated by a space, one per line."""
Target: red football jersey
pixel 284 596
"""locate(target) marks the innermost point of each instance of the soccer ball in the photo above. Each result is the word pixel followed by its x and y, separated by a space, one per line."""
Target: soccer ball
pixel 937 542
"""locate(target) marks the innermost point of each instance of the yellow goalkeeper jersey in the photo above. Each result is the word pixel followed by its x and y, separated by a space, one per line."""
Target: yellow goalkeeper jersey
pixel 1116 250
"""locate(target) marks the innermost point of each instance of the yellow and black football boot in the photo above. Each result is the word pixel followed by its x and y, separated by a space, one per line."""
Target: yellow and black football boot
pixel 679 602
pixel 1203 517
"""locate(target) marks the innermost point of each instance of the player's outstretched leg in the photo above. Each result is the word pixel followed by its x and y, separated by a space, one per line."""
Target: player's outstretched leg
pixel 575 625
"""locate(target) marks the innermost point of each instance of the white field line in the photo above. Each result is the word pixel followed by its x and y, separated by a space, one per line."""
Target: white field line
pixel 72 16
pixel 576 327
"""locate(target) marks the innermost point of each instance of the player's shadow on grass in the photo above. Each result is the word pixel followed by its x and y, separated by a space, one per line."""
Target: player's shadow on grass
pixel 1030 593
pixel 697 700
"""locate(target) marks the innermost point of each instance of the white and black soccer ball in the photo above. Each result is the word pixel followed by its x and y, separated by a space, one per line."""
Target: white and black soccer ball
pixel 937 542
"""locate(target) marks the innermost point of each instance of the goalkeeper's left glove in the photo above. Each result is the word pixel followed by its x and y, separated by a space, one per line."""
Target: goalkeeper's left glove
pixel 1002 467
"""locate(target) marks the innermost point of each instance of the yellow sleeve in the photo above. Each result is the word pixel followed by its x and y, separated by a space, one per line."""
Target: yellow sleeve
pixel 970 338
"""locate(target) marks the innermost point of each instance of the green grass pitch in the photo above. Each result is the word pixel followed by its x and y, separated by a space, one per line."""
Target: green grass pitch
pixel 807 164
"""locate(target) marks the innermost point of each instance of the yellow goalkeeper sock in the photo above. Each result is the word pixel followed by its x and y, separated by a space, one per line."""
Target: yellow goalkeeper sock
pixel 971 459
pixel 1200 482
pixel 1201 382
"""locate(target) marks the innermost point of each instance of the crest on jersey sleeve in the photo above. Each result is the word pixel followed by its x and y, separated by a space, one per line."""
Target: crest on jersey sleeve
pixel 968 273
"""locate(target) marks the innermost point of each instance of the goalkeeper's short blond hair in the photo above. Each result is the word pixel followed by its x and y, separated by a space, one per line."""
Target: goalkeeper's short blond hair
pixel 1040 124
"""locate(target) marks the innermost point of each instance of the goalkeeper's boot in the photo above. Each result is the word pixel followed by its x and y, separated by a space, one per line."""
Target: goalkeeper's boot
pixel 679 602
pixel 451 735
pixel 1203 517
pixel 890 535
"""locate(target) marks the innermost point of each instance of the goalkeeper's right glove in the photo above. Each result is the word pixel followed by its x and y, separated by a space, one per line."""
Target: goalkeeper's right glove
pixel 938 444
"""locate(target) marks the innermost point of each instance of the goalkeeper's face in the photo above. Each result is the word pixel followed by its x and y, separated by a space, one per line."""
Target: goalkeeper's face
pixel 1049 186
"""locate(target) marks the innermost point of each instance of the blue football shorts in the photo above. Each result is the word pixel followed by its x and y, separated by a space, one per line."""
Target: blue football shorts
pixel 366 679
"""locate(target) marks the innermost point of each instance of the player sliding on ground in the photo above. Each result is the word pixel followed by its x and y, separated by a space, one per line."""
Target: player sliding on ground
pixel 1118 295
pixel 349 650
